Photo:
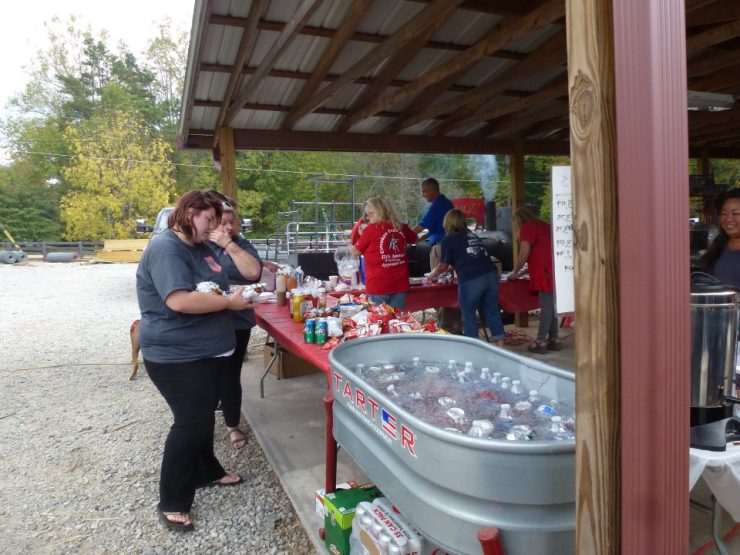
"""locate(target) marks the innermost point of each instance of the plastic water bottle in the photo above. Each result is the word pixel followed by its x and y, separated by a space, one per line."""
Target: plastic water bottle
pixel 506 383
pixel 505 414
pixel 485 374
pixel 557 429
pixel 516 389
pixel 534 397
pixel 547 410
pixel 496 380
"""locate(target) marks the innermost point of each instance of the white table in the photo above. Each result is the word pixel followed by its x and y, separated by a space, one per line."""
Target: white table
pixel 721 472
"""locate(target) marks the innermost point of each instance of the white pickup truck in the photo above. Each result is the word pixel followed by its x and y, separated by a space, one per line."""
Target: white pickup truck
pixel 161 222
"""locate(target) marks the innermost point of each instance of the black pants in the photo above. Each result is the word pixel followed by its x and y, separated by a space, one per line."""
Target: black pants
pixel 188 460
pixel 230 388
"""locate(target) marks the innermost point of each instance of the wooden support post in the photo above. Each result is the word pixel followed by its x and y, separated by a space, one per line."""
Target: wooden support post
pixel 521 319
pixel 627 87
pixel 228 161
pixel 593 160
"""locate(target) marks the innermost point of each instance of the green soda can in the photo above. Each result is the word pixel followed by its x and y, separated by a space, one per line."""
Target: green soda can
pixel 309 331
pixel 322 329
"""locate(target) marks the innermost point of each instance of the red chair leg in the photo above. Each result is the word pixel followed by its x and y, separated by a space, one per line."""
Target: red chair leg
pixel 490 541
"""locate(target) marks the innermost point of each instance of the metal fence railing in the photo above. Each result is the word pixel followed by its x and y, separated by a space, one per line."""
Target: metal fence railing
pixel 84 248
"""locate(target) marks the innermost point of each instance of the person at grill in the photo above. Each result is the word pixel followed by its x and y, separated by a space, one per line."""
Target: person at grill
pixel 477 277
pixel 383 244
pixel 186 337
pixel 433 221
pixel 243 266
pixel 722 258
pixel 535 249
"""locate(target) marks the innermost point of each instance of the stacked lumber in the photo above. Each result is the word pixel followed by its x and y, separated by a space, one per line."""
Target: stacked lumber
pixel 122 250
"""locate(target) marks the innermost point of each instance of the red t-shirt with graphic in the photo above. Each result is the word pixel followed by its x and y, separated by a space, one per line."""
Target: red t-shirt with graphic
pixel 537 234
pixel 384 248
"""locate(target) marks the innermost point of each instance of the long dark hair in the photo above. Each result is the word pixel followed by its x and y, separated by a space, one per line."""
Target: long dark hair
pixel 717 247
pixel 198 201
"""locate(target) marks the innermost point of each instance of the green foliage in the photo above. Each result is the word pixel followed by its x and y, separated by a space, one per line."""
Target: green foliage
pixel 120 173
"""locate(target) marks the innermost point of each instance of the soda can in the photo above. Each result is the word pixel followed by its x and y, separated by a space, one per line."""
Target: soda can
pixel 322 329
pixel 309 331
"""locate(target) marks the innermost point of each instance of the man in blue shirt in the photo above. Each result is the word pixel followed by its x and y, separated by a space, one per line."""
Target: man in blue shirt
pixel 449 318
pixel 433 218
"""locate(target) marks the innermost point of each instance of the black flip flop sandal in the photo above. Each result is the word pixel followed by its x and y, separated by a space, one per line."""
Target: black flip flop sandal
pixel 219 484
pixel 171 524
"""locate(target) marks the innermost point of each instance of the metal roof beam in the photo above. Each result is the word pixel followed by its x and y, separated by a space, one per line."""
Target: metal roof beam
pixel 260 139
pixel 548 13
pixel 246 46
pixel 551 52
pixel 438 9
pixel 343 35
pixel 300 17
pixel 391 69
pixel 557 88
pixel 719 12
pixel 323 32
pixel 713 36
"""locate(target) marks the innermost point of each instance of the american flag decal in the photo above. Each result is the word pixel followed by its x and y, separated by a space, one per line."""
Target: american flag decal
pixel 389 423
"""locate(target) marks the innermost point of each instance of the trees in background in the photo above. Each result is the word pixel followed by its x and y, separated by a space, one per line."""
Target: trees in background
pixel 92 135
pixel 117 174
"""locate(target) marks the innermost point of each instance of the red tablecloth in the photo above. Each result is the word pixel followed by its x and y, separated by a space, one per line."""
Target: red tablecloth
pixel 513 296
pixel 277 322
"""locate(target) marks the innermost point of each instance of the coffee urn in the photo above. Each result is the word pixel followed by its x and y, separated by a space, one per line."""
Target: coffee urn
pixel 714 321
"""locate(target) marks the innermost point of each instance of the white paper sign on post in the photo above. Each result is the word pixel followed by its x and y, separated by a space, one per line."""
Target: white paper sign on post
pixel 562 239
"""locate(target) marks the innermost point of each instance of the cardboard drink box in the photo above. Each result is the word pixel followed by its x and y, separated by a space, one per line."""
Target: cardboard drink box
pixel 292 365
pixel 339 511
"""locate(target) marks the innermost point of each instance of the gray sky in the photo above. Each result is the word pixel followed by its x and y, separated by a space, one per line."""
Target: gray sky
pixel 22 32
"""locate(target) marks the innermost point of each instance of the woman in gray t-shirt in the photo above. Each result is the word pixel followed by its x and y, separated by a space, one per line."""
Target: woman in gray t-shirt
pixel 186 337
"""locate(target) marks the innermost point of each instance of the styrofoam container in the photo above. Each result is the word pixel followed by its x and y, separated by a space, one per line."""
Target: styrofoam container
pixel 449 485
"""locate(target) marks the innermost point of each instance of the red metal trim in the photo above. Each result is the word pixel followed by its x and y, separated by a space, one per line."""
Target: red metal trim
pixel 652 167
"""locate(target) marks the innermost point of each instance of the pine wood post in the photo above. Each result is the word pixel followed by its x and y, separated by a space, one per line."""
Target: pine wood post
pixel 228 163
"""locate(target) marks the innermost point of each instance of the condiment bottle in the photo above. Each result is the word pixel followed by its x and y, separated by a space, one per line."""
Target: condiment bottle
pixel 322 298
pixel 296 303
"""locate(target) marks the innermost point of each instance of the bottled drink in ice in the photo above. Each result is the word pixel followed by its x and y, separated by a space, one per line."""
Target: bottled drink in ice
pixel 557 429
pixel 496 380
pixel 485 375
pixel 481 428
pixel 516 388
pixel 534 397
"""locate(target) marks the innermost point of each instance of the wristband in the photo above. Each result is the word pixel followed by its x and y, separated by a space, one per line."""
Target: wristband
pixel 227 244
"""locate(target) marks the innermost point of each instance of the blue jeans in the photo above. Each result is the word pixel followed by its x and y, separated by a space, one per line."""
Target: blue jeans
pixel 396 300
pixel 480 293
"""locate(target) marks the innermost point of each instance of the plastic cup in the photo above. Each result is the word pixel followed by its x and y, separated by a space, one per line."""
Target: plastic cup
pixel 333 280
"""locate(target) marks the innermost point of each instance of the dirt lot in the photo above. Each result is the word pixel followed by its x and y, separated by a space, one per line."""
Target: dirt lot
pixel 80 445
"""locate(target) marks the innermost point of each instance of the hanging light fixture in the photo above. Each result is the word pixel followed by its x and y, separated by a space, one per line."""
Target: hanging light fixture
pixel 710 102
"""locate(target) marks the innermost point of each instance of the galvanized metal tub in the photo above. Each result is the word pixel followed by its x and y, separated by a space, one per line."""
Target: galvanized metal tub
pixel 450 485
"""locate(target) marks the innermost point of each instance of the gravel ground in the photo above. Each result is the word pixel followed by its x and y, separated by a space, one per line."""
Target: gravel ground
pixel 80 445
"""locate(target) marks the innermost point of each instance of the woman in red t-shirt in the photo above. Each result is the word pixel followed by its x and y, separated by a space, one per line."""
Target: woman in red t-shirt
pixel 383 243
pixel 535 248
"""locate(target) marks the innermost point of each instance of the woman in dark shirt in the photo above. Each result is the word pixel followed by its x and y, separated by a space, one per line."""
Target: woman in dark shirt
pixel 243 266
pixel 477 278
pixel 722 258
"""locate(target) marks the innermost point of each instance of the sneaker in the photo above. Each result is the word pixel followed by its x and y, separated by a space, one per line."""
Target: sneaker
pixel 554 345
pixel 219 407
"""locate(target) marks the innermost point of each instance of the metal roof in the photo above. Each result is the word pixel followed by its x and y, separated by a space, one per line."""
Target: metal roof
pixel 415 75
